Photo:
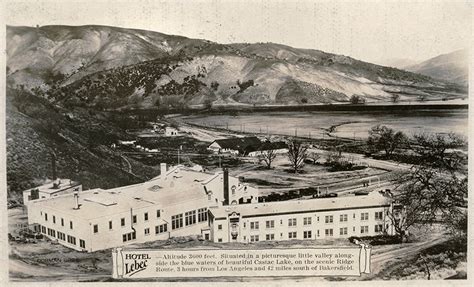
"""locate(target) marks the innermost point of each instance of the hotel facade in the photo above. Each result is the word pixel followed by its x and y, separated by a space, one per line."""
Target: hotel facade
pixel 185 202
pixel 321 218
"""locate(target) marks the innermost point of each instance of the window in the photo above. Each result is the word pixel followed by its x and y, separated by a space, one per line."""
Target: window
pixel 364 216
pixel 317 233
pixel 307 234
pixel 343 218
pixel 61 236
pixel 158 213
pixel 328 232
pixel 219 240
pixel 364 229
pixel 270 236
pixel 45 216
pixel 43 229
pixel 270 224
pixel 62 221
pixel 254 238
pixel 190 217
pixel 70 224
pixel 147 231
pixel 379 228
pixel 54 219
pixel 291 221
pixel 122 221
pixel 82 243
pixel 145 216
pixel 96 228
pixel 307 221
pixel 254 225
pixel 177 221
pixel 128 236
pixel 161 228
pixel 134 219
pixel 219 226
pixel 71 239
pixel 378 215
pixel 292 235
pixel 328 219
pixel 343 231
pixel 202 214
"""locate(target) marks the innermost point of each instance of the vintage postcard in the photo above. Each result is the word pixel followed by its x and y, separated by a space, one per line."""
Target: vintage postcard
pixel 236 142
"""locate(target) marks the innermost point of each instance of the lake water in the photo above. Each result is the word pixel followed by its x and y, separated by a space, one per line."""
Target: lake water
pixel 348 124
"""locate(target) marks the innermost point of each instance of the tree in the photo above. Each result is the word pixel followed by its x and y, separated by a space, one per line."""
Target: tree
pixel 439 149
pixel 314 156
pixel 395 98
pixel 297 153
pixel 214 85
pixel 356 99
pixel 385 138
pixel 434 189
pixel 267 157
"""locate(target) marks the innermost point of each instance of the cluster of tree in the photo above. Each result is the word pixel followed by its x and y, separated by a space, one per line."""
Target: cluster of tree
pixel 386 139
pixel 244 85
pixel 112 88
pixel 357 100
pixel 435 189
pixel 338 162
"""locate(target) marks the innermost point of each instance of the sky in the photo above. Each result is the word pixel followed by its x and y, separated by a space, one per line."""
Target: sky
pixel 373 31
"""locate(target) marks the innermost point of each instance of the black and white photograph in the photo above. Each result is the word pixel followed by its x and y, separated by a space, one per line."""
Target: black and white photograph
pixel 222 142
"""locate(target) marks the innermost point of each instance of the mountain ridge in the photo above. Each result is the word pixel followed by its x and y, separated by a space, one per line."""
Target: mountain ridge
pixel 54 60
pixel 451 67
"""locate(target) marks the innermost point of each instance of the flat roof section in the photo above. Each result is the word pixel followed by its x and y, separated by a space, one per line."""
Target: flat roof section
pixel 49 187
pixel 374 199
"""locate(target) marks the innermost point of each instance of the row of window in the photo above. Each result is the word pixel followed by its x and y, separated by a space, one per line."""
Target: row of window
pixel 161 228
pixel 129 236
pixel 254 225
pixel 54 220
pixel 189 218
pixel 62 236
pixel 308 234
pixel 123 222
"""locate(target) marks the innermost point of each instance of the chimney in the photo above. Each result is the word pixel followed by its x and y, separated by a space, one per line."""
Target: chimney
pixel 226 186
pixel 53 164
pixel 163 171
pixel 76 200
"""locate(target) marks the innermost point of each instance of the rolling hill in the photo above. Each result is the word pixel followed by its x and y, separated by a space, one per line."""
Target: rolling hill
pixel 452 67
pixel 110 67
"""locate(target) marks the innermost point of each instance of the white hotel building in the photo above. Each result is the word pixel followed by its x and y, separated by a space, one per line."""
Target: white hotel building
pixel 186 202
pixel 320 218
pixel 174 205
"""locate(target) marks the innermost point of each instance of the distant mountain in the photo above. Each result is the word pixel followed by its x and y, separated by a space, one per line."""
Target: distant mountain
pixel 110 67
pixel 399 63
pixel 452 67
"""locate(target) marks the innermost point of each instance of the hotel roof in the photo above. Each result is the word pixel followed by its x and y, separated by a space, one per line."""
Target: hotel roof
pixel 374 199
pixel 49 186
pixel 156 192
